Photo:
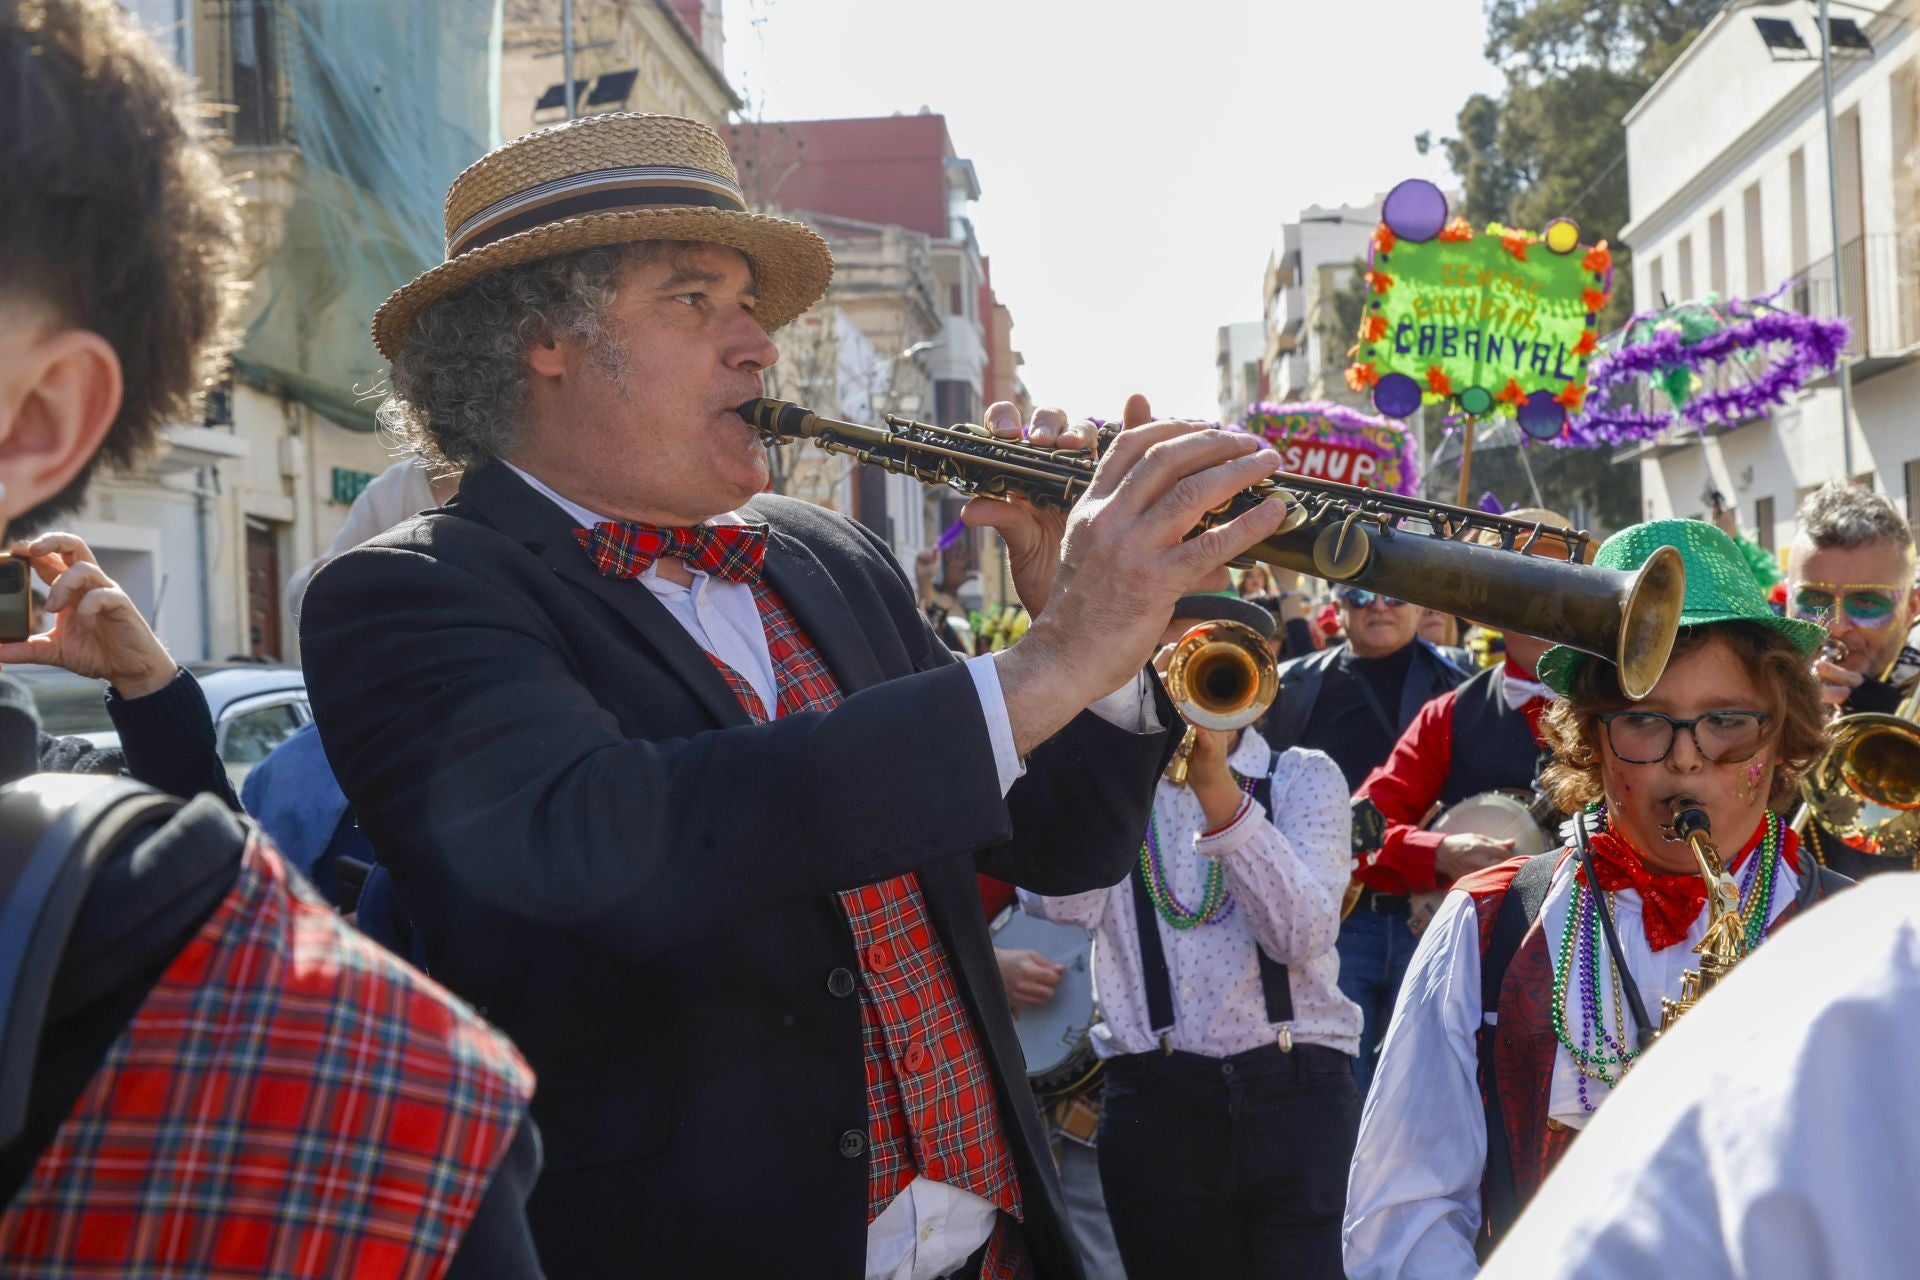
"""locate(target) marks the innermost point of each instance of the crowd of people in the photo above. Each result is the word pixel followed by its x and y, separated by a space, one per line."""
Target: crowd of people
pixel 649 921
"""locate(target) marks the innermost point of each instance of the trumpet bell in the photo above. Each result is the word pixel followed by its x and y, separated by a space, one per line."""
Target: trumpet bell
pixel 1222 675
pixel 1866 788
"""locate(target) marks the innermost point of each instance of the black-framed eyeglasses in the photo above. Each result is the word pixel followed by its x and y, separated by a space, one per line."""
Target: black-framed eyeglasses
pixel 1721 737
pixel 1360 598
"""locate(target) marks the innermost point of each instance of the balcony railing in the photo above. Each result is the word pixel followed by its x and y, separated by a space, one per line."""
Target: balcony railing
pixel 1881 278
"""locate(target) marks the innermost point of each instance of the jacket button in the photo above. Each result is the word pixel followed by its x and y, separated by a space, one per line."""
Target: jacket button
pixel 840 983
pixel 852 1144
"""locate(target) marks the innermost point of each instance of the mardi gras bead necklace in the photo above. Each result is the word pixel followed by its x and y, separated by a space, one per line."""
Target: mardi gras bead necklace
pixel 1216 903
pixel 1602 1054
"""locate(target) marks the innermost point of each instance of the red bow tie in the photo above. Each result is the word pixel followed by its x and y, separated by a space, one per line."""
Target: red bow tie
pixel 1669 903
pixel 625 550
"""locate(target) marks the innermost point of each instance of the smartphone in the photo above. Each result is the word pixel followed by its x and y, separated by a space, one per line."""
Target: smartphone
pixel 16 599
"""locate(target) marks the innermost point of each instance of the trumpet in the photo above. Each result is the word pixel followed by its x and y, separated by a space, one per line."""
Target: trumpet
pixel 1865 788
pixel 1221 675
pixel 1442 557
pixel 1725 941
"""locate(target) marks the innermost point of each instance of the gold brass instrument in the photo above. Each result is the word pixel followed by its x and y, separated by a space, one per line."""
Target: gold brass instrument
pixel 1221 675
pixel 1865 788
pixel 1725 942
pixel 1428 553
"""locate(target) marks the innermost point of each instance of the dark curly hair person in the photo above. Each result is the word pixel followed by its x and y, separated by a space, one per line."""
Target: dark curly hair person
pixel 119 244
pixel 347 1117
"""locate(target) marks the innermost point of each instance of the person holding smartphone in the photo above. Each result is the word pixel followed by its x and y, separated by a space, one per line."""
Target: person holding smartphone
pixel 165 727
pixel 264 1088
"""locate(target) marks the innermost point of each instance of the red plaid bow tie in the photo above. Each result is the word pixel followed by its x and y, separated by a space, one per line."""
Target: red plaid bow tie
pixel 624 550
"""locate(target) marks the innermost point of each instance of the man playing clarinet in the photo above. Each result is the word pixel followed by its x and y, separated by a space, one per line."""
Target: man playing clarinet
pixel 671 775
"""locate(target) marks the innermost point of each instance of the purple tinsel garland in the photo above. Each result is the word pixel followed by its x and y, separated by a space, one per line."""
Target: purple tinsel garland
pixel 1816 346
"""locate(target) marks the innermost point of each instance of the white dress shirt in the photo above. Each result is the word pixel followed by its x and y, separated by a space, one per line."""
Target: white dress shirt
pixel 931 1227
pixel 1774 1134
pixel 1413 1194
pixel 1286 872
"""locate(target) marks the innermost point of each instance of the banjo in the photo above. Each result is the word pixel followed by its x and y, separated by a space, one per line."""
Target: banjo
pixel 1055 1036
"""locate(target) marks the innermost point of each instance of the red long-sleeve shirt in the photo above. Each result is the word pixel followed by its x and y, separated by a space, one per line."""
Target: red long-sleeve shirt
pixel 1405 788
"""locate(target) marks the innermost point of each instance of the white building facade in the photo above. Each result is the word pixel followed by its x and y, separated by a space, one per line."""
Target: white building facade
pixel 1728 163
pixel 1242 379
pixel 1315 261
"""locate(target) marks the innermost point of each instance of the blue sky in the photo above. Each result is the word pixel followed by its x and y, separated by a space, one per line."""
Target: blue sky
pixel 1136 161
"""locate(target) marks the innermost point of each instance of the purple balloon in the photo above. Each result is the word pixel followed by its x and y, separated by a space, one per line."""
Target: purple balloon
pixel 1415 211
pixel 1542 417
pixel 1396 395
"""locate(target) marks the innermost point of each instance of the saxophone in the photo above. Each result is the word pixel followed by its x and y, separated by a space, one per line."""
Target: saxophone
pixel 1725 943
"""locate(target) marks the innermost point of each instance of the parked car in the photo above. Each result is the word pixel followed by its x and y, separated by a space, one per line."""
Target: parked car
pixel 255 706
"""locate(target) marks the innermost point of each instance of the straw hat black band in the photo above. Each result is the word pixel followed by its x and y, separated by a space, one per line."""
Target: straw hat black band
pixel 597 191
pixel 601 181
pixel 597 202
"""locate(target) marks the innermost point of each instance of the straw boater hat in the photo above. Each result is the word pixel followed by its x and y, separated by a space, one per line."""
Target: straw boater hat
pixel 601 180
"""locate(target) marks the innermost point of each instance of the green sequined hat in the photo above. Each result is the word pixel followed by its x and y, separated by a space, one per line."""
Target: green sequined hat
pixel 1720 588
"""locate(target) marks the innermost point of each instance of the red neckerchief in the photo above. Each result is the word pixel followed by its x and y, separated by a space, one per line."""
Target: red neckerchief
pixel 1669 902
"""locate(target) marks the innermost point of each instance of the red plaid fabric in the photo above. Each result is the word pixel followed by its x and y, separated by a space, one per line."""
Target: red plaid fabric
pixel 290 1101
pixel 930 1100
pixel 626 550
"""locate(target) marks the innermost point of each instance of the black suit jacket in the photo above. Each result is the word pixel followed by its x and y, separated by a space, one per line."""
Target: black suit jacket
pixel 604 854
pixel 1428 676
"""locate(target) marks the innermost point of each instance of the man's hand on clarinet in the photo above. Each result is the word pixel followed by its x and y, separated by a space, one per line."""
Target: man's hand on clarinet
pixel 1125 558
pixel 1032 533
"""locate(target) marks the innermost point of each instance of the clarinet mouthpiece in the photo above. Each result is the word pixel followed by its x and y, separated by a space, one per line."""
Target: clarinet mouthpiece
pixel 778 418
pixel 1691 820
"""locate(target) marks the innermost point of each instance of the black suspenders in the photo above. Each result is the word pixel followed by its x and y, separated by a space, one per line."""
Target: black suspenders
pixel 1153 956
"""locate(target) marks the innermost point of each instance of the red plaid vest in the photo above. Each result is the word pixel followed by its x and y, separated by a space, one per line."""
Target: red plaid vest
pixel 290 1101
pixel 930 1100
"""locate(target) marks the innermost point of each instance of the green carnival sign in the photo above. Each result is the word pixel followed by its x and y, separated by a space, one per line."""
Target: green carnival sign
pixel 1500 321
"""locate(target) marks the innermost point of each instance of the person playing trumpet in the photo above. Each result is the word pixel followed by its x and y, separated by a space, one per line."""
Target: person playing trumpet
pixel 1851 570
pixel 1230 1107
pixel 1526 999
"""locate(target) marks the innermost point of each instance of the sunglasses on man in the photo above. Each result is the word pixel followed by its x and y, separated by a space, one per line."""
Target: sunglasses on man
pixel 1870 605
pixel 1360 598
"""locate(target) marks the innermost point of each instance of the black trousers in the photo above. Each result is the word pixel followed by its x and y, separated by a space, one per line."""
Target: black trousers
pixel 1229 1167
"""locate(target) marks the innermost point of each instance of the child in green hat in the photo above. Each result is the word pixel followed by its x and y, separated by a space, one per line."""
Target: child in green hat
pixel 1539 982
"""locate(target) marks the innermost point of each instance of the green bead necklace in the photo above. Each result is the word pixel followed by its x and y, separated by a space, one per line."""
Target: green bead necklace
pixel 1216 903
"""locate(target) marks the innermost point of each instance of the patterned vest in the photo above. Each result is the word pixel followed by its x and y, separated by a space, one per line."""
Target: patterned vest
pixel 931 1106
pixel 290 1101
pixel 1524 1042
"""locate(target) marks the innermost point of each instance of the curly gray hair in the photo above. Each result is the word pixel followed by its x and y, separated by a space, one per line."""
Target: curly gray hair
pixel 459 386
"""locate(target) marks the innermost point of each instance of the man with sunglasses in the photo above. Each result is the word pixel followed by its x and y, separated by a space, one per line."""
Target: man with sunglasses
pixel 1353 701
pixel 1851 569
